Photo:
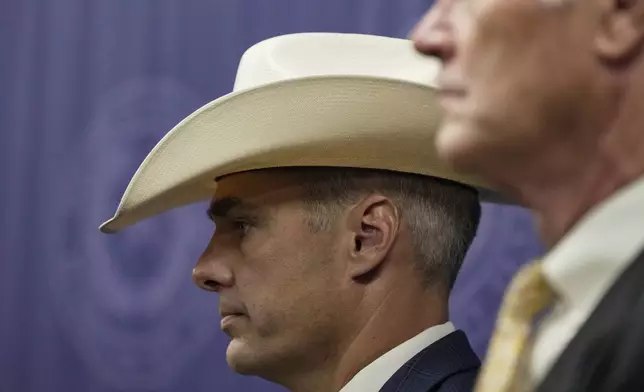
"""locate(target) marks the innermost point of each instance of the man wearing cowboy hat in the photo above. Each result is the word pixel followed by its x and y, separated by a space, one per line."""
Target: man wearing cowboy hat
pixel 338 233
pixel 545 99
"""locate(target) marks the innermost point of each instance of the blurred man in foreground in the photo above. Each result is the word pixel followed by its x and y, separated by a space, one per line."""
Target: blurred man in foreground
pixel 338 233
pixel 545 99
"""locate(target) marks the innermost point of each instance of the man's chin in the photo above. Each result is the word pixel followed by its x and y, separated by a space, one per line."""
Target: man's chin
pixel 456 144
pixel 241 359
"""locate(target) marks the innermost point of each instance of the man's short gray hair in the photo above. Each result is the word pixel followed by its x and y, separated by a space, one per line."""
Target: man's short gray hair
pixel 441 215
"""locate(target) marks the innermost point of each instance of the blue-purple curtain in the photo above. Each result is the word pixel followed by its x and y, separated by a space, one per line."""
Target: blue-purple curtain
pixel 87 88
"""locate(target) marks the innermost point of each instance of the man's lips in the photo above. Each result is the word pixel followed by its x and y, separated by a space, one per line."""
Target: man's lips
pixel 229 312
pixel 229 318
pixel 229 307
pixel 452 91
pixel 449 96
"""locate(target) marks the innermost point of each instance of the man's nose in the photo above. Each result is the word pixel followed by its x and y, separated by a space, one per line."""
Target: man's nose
pixel 212 272
pixel 433 35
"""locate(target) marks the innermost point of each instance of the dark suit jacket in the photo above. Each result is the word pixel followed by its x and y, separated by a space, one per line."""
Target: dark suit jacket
pixel 607 354
pixel 447 365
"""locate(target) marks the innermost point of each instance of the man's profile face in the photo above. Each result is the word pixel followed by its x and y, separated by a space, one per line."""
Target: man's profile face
pixel 514 75
pixel 278 280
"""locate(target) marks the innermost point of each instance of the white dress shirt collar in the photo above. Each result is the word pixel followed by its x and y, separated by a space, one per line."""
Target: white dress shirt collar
pixel 583 266
pixel 372 377
pixel 588 260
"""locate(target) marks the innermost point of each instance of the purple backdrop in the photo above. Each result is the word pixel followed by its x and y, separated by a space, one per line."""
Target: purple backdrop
pixel 88 86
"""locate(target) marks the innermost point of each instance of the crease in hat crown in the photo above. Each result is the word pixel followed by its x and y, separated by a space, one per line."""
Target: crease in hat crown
pixel 344 96
pixel 304 55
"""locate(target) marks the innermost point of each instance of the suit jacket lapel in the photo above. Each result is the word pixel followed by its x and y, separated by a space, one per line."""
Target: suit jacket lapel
pixel 609 348
pixel 427 370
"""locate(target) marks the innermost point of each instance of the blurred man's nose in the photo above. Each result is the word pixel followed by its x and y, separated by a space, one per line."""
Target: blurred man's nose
pixel 433 35
pixel 212 273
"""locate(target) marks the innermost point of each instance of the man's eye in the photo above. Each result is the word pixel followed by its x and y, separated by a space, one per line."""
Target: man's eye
pixel 242 226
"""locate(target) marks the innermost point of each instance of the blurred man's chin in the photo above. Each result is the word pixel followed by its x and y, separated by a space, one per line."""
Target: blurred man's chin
pixel 456 143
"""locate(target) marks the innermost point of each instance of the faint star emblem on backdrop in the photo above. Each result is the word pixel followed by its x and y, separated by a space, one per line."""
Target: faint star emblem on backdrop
pixel 127 300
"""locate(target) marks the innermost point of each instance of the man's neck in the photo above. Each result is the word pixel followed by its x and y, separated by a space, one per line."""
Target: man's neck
pixel 558 211
pixel 394 318
pixel 389 320
pixel 562 198
pixel 562 183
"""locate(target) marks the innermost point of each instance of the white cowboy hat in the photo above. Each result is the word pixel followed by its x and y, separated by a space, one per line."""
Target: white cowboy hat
pixel 310 99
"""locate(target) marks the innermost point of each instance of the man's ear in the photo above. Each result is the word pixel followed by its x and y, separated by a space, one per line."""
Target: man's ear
pixel 373 226
pixel 621 29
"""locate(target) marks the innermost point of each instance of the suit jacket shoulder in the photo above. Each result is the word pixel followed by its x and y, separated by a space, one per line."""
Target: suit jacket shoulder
pixel 447 365
pixel 607 354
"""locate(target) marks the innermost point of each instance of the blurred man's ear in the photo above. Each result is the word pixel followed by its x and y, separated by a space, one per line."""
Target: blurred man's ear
pixel 621 29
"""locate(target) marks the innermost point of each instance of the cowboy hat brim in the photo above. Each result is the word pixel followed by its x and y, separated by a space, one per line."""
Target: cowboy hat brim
pixel 337 121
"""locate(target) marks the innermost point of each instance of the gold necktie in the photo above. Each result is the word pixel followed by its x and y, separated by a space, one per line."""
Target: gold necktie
pixel 527 295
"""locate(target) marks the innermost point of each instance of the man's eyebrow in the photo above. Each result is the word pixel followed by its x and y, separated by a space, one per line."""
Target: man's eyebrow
pixel 221 207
